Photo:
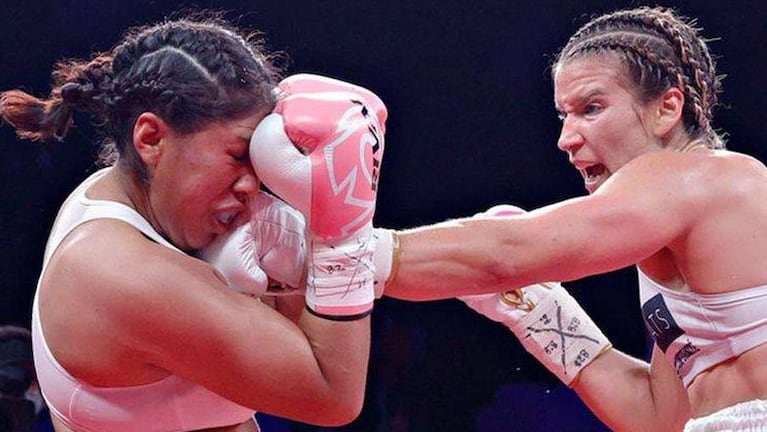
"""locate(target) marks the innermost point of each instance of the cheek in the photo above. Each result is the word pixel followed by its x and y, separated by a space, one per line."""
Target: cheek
pixel 199 192
pixel 612 132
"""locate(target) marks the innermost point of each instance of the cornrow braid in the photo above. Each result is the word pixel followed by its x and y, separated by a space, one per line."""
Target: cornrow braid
pixel 660 50
pixel 189 71
pixel 77 86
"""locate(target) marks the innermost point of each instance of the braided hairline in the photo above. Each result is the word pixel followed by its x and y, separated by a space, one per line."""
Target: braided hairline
pixel 111 86
pixel 701 71
pixel 152 85
pixel 205 73
pixel 695 76
pixel 135 47
pixel 642 52
pixel 95 79
pixel 142 44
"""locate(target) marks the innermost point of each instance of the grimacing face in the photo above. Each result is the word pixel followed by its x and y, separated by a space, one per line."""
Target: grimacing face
pixel 603 124
pixel 203 182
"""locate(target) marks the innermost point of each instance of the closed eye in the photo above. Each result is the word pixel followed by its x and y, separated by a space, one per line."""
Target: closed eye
pixel 240 152
pixel 242 157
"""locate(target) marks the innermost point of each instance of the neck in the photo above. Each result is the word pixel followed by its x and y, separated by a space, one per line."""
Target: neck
pixel 136 194
pixel 693 145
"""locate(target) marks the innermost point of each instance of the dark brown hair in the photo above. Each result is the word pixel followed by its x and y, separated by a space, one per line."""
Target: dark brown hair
pixel 660 50
pixel 190 71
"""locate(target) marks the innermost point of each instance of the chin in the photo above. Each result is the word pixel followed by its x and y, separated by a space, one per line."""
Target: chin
pixel 593 187
pixel 197 245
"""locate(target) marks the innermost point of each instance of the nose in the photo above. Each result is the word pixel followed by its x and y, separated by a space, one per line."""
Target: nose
pixel 570 140
pixel 246 185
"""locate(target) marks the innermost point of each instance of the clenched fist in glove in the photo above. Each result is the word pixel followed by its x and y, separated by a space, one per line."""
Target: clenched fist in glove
pixel 320 150
pixel 267 252
pixel 548 321
pixel 267 255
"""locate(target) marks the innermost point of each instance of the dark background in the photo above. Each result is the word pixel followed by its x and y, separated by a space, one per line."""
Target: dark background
pixel 471 125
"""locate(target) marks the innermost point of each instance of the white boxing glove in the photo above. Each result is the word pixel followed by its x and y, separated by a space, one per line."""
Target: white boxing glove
pixel 551 325
pixel 320 150
pixel 267 255
pixel 548 321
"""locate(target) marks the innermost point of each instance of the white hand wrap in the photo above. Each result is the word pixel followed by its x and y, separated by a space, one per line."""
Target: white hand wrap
pixel 385 261
pixel 342 273
pixel 551 325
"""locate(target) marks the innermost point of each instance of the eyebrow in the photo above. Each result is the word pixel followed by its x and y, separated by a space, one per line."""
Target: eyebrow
pixel 240 128
pixel 579 99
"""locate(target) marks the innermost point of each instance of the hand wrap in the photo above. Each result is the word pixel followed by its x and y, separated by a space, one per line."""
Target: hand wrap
pixel 548 321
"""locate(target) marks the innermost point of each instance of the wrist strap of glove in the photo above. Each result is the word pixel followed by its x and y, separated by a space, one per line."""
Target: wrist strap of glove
pixel 558 332
pixel 385 258
pixel 339 284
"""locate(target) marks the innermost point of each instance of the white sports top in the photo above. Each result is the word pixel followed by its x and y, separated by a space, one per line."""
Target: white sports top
pixel 699 331
pixel 170 404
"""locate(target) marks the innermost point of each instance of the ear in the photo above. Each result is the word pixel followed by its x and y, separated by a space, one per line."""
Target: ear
pixel 668 111
pixel 148 133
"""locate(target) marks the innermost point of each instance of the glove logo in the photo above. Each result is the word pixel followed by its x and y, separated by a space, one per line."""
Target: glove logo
pixel 377 138
pixel 355 181
pixel 683 355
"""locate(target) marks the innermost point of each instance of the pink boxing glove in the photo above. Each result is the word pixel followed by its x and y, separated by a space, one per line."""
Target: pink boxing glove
pixel 320 150
pixel 308 83
pixel 501 210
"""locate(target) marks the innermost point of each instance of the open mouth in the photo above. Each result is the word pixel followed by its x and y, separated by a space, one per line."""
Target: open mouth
pixel 593 173
pixel 594 176
pixel 226 218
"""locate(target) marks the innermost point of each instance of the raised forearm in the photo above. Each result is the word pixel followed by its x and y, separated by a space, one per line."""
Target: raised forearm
pixel 341 350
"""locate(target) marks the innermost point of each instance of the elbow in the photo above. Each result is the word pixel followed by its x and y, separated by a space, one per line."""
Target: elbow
pixel 338 411
pixel 331 407
pixel 346 415
pixel 349 409
pixel 326 407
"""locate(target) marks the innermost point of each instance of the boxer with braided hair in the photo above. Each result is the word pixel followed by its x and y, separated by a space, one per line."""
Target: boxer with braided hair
pixel 660 52
pixel 636 92
pixel 131 331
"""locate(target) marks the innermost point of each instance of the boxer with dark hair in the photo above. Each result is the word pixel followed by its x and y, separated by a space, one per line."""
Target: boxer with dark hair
pixel 131 330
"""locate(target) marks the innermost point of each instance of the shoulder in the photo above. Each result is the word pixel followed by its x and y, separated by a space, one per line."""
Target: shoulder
pixel 116 250
pixel 692 177
pixel 110 266
pixel 707 162
pixel 116 300
pixel 669 190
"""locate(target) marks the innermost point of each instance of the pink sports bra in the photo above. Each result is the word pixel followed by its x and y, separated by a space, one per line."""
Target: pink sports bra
pixel 170 404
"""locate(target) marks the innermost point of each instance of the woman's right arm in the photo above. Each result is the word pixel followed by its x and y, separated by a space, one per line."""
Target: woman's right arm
pixel 174 312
